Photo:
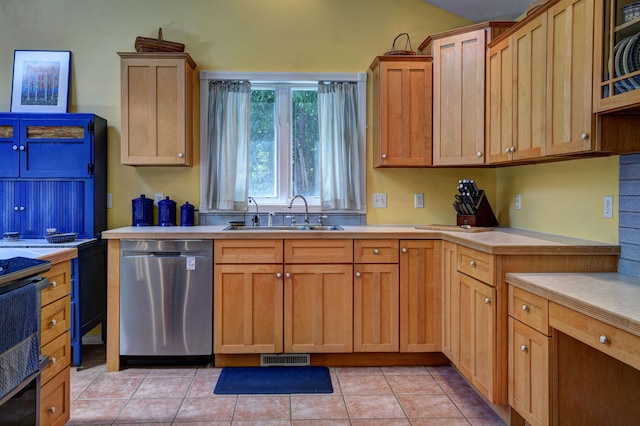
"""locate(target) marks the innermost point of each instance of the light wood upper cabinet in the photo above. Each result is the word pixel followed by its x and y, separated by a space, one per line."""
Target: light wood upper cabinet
pixel 157 105
pixel 402 93
pixel 570 121
pixel 459 92
pixel 499 112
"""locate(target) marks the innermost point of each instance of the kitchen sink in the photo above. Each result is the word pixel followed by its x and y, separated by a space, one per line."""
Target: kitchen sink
pixel 302 227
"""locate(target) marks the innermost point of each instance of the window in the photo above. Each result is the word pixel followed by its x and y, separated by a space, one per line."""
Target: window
pixel 284 152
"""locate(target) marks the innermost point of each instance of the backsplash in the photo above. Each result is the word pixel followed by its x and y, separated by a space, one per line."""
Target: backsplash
pixel 629 214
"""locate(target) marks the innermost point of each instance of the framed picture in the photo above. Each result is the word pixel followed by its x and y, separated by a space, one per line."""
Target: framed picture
pixel 40 81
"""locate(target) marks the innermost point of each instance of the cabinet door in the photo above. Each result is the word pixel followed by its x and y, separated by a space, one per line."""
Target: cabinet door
pixel 318 308
pixel 478 334
pixel 402 111
pixel 56 148
pixel 376 295
pixel 529 373
pixel 157 91
pixel 458 98
pixel 499 113
pixel 450 302
pixel 529 45
pixel 570 120
pixel 248 301
pixel 9 148
pixel 420 296
pixel 12 209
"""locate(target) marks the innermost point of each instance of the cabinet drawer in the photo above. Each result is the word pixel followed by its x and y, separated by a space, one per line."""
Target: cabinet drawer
pixel 476 264
pixel 54 320
pixel 318 251
pixel 247 251
pixel 59 282
pixel 606 338
pixel 530 309
pixel 59 352
pixel 55 400
pixel 375 251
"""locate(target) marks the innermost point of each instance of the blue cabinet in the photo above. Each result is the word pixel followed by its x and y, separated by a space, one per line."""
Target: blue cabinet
pixel 53 173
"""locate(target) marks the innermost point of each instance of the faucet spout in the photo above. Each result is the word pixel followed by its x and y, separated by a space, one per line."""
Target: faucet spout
pixel 306 207
pixel 256 218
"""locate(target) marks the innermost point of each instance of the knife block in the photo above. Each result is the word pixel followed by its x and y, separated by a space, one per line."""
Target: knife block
pixel 484 214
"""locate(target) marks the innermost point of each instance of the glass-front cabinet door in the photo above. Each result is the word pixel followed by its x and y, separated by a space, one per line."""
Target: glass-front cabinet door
pixel 617 50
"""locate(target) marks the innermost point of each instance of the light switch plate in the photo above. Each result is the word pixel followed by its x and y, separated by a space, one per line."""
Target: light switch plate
pixel 518 200
pixel 418 200
pixel 608 206
pixel 109 200
pixel 157 198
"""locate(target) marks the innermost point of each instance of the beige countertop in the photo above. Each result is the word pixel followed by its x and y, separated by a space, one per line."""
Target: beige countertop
pixel 607 296
pixel 499 241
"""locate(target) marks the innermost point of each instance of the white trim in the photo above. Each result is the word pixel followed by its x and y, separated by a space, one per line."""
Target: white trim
pixel 282 77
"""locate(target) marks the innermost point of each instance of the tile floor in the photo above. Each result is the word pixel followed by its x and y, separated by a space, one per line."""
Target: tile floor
pixel 184 396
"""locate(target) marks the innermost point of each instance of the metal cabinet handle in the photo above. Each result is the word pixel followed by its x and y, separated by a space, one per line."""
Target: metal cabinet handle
pixel 15 147
pixel 53 360
pixel 53 284
pixel 604 339
pixel 278 275
pixel 479 154
pixel 287 275
pixel 523 348
pixel 376 251
pixel 487 300
pixel 384 156
pixel 180 155
pixel 16 208
pixel 53 322
pixel 358 274
pixel 404 249
pixel 22 148
pixel 21 208
pixel 584 136
pixel 472 263
pixel 52 409
pixel 525 308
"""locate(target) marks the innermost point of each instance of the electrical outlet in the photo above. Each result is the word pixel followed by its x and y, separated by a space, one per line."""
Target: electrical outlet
pixel 109 200
pixel 418 200
pixel 379 200
pixel 518 200
pixel 608 206
pixel 158 197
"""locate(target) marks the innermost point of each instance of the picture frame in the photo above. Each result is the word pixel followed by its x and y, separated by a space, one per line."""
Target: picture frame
pixel 40 81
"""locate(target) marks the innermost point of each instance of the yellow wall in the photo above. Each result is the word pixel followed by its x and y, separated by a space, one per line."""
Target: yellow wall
pixel 286 35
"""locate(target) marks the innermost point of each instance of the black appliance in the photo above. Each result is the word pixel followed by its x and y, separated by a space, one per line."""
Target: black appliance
pixel 20 403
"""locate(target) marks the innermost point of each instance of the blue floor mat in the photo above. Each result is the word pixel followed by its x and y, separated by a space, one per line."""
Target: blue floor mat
pixel 272 380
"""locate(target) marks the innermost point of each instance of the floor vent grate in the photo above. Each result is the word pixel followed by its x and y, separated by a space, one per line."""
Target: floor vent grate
pixel 270 360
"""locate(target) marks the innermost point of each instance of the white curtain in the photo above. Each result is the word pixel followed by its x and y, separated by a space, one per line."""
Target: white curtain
pixel 229 126
pixel 339 149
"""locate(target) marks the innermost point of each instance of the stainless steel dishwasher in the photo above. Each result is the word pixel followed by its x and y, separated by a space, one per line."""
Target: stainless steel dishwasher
pixel 166 297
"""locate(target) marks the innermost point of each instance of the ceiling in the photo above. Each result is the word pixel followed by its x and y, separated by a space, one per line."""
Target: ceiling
pixel 484 10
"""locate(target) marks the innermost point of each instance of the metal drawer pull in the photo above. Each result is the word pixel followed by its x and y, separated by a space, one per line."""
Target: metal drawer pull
pixel 604 339
pixel 53 360
pixel 404 249
pixel 53 284
pixel 287 275
pixel 525 308
pixel 584 136
pixel 478 154
pixel 487 301
pixel 523 348
pixel 376 251
pixel 358 274
pixel 52 409
pixel 278 275
pixel 472 263
pixel 53 322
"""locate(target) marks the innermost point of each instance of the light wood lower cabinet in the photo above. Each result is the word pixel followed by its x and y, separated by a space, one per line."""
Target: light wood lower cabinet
pixel 477 334
pixel 450 303
pixel 318 308
pixel 248 309
pixel 55 323
pixel 420 296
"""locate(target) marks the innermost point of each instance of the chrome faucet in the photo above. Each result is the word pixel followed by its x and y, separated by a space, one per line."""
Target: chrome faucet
pixel 306 207
pixel 255 219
